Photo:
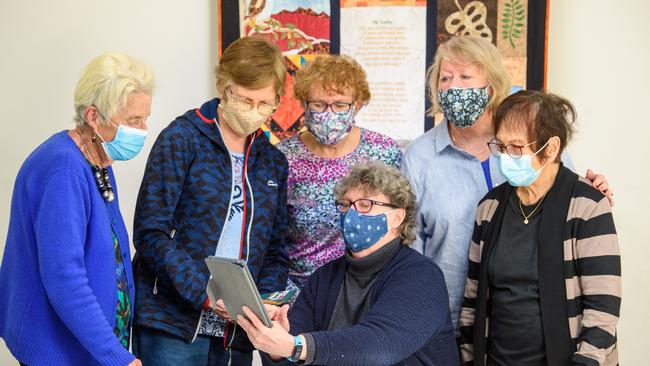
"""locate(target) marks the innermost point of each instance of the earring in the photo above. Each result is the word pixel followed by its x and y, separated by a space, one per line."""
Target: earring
pixel 94 137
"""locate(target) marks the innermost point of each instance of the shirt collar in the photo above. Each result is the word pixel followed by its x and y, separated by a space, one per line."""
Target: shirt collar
pixel 441 134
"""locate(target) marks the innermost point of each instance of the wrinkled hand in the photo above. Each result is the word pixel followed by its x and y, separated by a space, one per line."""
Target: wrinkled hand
pixel 599 182
pixel 135 362
pixel 276 341
pixel 220 309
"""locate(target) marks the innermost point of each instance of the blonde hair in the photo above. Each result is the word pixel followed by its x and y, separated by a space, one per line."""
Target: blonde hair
pixel 476 51
pixel 106 83
pixel 251 62
pixel 375 178
pixel 334 73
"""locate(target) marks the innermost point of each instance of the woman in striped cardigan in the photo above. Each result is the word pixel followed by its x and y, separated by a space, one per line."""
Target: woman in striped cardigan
pixel 544 281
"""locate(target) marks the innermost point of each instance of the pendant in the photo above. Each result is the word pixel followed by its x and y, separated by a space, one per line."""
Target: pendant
pixel 526 221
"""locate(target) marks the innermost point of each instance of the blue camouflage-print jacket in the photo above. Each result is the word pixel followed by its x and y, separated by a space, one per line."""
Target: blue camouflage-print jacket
pixel 180 213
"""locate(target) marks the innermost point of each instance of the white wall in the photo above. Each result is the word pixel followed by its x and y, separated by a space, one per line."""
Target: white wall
pixel 45 44
pixel 599 58
pixel 599 54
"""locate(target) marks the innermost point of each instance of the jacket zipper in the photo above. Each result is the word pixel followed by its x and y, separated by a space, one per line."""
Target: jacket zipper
pixel 232 184
pixel 155 281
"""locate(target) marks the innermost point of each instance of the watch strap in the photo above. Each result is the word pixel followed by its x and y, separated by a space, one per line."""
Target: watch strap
pixel 297 349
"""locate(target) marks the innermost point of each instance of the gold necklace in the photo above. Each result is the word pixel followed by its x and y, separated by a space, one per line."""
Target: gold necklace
pixel 521 208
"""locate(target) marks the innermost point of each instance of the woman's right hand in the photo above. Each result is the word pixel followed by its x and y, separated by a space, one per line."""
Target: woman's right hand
pixel 135 362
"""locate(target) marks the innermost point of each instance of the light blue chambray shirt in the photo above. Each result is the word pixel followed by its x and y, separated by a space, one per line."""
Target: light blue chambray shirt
pixel 448 183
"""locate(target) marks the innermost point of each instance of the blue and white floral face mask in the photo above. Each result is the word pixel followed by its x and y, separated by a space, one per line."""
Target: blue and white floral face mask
pixel 463 106
pixel 361 231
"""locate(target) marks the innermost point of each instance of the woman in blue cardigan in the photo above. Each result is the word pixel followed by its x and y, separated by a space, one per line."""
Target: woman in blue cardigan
pixel 65 279
pixel 381 304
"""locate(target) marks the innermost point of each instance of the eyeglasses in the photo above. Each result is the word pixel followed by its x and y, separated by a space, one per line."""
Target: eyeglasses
pixel 515 151
pixel 136 122
pixel 362 205
pixel 264 107
pixel 336 107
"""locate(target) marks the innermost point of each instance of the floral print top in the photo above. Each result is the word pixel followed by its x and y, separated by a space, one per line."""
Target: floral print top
pixel 314 233
pixel 123 313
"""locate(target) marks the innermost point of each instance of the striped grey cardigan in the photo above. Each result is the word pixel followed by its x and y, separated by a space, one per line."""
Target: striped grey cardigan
pixel 579 275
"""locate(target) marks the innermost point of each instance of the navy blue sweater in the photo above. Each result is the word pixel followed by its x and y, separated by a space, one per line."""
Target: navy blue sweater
pixel 182 207
pixel 407 323
pixel 58 290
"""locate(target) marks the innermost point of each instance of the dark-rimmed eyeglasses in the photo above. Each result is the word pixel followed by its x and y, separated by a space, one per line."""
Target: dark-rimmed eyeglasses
pixel 265 107
pixel 362 205
pixel 515 151
pixel 336 107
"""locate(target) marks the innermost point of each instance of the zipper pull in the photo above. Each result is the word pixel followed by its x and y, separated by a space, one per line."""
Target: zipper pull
pixel 155 286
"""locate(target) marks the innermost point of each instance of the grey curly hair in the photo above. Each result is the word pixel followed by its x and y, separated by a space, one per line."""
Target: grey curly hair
pixel 376 178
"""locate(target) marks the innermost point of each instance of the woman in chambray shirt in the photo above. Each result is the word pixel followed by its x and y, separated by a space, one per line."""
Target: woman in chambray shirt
pixel 449 166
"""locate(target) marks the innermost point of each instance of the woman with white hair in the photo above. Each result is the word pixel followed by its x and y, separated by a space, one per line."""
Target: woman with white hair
pixel 65 279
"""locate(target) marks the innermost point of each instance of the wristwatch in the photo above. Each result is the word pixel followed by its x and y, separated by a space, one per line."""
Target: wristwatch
pixel 297 349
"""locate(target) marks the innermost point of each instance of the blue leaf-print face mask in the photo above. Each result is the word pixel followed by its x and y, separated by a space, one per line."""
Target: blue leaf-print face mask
pixel 463 106
pixel 362 231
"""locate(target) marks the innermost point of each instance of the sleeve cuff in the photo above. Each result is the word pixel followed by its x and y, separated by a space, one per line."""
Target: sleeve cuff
pixel 310 346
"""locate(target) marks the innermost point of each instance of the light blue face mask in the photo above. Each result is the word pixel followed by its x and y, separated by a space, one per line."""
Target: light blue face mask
pixel 520 172
pixel 362 231
pixel 127 143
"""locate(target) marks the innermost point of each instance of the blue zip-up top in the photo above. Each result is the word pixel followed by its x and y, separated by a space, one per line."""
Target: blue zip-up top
pixel 182 206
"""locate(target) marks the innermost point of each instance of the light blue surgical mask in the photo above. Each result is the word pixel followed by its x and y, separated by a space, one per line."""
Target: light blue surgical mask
pixel 520 172
pixel 127 142
pixel 362 231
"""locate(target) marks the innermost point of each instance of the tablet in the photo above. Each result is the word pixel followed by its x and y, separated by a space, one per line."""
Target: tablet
pixel 232 282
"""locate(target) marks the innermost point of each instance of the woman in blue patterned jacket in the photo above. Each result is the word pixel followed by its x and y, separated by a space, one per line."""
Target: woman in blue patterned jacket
pixel 213 185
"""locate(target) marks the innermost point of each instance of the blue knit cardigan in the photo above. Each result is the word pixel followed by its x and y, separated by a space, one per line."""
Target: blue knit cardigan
pixel 407 324
pixel 58 285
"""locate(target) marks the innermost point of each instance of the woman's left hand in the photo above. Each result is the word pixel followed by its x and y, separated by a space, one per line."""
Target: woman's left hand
pixel 275 341
pixel 599 182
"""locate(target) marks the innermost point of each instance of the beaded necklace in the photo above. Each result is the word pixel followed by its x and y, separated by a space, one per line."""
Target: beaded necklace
pixel 101 174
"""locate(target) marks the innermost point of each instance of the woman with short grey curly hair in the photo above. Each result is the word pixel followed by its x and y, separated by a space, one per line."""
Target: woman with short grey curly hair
pixel 382 303
pixel 380 178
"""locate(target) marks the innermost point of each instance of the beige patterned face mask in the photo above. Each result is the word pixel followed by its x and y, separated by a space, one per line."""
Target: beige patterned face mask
pixel 243 118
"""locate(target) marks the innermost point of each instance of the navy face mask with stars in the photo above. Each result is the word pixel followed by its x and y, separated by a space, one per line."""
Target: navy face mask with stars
pixel 363 231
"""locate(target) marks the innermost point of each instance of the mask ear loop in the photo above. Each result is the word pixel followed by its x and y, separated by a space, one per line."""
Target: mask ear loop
pixel 537 152
pixel 97 133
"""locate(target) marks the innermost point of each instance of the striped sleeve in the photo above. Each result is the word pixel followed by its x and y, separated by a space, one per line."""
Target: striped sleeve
pixel 598 281
pixel 484 214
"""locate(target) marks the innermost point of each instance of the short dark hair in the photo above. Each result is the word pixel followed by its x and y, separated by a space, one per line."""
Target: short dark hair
pixel 542 115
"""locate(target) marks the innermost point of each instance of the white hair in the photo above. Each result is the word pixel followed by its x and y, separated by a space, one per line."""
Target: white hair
pixel 106 83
